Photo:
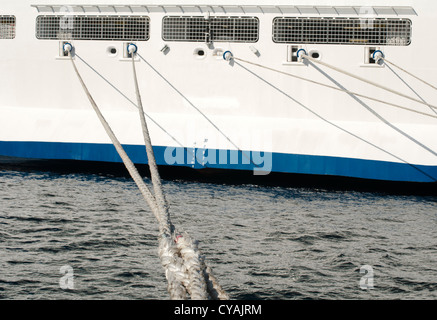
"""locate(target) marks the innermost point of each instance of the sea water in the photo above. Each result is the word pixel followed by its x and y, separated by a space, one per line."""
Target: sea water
pixel 66 235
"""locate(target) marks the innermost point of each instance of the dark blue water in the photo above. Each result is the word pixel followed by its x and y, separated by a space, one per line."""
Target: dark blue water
pixel 262 242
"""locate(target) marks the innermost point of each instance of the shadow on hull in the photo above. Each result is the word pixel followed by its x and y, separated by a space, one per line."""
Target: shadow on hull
pixel 220 176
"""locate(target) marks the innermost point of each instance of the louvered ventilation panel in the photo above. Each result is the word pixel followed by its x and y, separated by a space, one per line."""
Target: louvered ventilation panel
pixel 343 31
pixel 123 28
pixel 221 29
pixel 7 27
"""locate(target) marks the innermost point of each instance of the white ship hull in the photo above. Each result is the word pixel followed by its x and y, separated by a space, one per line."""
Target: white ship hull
pixel 206 112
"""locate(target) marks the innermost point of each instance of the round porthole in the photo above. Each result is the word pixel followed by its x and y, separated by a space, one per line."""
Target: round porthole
pixel 112 51
pixel 199 53
pixel 315 54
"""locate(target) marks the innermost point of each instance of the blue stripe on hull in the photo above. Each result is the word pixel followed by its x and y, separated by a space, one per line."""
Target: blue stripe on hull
pixel 280 162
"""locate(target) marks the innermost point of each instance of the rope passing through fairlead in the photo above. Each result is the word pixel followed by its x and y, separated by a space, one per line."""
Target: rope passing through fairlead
pixel 185 269
pixel 301 54
pixel 229 56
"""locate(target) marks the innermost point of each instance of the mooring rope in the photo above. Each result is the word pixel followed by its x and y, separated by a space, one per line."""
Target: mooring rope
pixel 154 173
pixel 228 56
pixel 244 154
pixel 336 88
pixel 305 56
pixel 185 268
pixel 197 273
pixel 129 100
pixel 407 72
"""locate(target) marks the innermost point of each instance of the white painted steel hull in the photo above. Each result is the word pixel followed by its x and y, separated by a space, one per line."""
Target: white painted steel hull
pixel 299 127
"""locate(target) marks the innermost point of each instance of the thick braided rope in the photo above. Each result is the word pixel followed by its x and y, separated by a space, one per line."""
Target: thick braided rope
pixel 304 56
pixel 185 269
pixel 167 256
pixel 190 271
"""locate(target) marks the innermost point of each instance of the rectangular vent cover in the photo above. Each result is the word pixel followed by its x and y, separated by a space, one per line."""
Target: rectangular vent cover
pixel 221 29
pixel 355 31
pixel 7 27
pixel 123 28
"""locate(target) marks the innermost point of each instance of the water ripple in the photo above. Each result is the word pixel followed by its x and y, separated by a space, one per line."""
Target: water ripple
pixel 262 242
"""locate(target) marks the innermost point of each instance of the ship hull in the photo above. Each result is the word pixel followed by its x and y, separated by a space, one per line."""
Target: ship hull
pixel 208 112
pixel 280 163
